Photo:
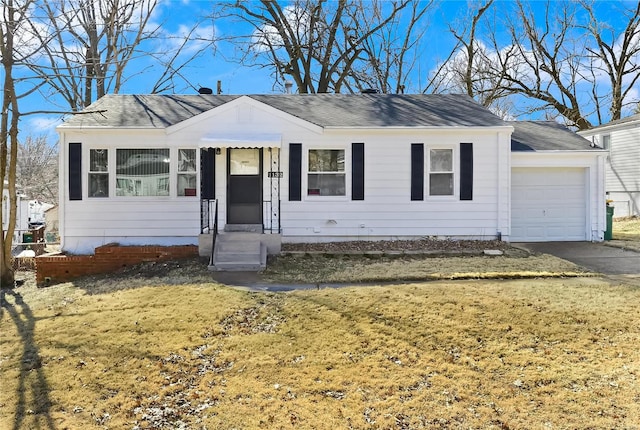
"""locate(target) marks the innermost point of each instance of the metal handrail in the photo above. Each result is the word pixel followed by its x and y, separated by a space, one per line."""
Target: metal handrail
pixel 215 232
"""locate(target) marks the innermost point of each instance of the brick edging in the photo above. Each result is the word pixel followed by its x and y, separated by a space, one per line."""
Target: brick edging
pixel 107 258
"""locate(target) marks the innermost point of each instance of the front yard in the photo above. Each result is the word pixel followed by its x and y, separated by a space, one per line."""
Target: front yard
pixel 627 228
pixel 531 353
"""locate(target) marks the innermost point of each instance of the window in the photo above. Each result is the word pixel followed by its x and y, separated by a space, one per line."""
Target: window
pixel 440 172
pixel 326 175
pixel 186 172
pixel 606 141
pixel 142 172
pixel 98 173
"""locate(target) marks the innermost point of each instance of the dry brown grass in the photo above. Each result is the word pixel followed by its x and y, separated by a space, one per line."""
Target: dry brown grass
pixel 627 228
pixel 553 353
pixel 337 269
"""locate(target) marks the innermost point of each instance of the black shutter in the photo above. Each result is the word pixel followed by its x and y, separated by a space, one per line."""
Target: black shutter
pixel 417 171
pixel 466 171
pixel 75 171
pixel 295 171
pixel 357 171
pixel 208 173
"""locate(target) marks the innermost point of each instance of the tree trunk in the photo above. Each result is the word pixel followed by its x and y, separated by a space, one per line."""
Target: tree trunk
pixel 8 140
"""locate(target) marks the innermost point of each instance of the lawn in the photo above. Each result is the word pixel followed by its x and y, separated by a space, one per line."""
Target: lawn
pixel 626 228
pixel 530 353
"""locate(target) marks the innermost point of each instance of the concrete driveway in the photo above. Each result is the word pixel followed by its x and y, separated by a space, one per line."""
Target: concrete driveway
pixel 596 257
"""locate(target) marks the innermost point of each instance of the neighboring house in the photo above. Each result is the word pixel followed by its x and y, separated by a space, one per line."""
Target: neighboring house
pixel 321 167
pixel 621 140
pixel 22 212
pixel 36 213
pixel 51 222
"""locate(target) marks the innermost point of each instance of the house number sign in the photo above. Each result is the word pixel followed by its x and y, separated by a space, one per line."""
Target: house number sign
pixel 274 174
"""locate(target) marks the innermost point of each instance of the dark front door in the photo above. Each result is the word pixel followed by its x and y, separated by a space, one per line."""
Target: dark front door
pixel 244 186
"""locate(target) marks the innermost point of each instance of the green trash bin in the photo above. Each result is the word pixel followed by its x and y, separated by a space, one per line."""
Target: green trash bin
pixel 27 237
pixel 608 234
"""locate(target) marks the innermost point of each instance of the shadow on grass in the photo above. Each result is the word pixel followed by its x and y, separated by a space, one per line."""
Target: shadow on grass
pixel 32 394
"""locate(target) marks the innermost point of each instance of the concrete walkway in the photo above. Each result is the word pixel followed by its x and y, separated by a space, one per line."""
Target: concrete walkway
pixel 596 257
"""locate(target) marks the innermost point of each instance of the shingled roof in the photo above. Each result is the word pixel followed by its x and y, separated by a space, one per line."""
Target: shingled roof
pixel 545 136
pixel 324 110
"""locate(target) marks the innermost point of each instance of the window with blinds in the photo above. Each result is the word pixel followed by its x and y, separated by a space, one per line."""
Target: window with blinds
pixel 326 173
pixel 142 172
pixel 186 172
pixel 441 172
pixel 98 173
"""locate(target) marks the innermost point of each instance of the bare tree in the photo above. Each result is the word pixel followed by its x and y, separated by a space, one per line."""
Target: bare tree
pixel 549 60
pixel 391 54
pixel 14 14
pixel 313 42
pixel 554 63
pixel 37 168
pixel 89 45
pixel 470 69
pixel 616 56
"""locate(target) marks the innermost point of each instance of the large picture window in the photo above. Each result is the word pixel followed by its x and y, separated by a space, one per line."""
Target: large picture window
pixel 98 173
pixel 441 172
pixel 142 172
pixel 186 172
pixel 326 175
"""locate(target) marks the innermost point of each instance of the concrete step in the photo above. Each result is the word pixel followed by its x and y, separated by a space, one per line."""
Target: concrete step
pixel 253 228
pixel 239 252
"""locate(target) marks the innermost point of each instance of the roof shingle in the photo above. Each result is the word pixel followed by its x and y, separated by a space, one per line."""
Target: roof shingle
pixel 545 136
pixel 324 110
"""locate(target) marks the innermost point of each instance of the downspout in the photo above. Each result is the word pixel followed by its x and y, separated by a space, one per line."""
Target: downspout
pixel 499 232
pixel 601 200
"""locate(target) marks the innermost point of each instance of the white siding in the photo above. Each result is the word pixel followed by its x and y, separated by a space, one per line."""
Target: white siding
pixel 91 222
pixel 622 166
pixel 387 211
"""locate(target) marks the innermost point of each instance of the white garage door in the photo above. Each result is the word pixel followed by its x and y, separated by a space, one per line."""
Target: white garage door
pixel 548 204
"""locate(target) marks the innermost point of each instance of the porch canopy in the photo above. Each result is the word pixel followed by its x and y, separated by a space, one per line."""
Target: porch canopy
pixel 241 140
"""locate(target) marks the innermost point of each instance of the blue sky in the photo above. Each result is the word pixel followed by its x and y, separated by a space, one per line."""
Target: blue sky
pixel 212 67
pixel 238 79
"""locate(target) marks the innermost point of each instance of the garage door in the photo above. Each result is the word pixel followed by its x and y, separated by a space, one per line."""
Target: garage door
pixel 548 204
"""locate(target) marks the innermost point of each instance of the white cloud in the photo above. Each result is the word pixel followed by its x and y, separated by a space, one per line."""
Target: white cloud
pixel 41 125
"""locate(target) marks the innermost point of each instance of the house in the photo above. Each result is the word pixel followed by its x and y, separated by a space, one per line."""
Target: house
pixel 621 140
pixel 23 211
pixel 51 222
pixel 158 169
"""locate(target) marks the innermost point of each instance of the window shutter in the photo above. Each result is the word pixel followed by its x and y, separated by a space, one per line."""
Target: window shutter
pixel 208 173
pixel 75 171
pixel 357 171
pixel 466 171
pixel 295 172
pixel 417 171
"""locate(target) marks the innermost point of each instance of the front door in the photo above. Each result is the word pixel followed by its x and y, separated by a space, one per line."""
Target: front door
pixel 244 186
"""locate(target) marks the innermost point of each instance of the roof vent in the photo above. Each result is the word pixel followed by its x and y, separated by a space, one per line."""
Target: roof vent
pixel 370 91
pixel 204 90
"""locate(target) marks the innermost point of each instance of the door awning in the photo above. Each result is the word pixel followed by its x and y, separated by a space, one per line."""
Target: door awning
pixel 241 140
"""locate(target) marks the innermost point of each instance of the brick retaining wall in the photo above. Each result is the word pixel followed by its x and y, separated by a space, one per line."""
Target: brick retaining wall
pixel 107 258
